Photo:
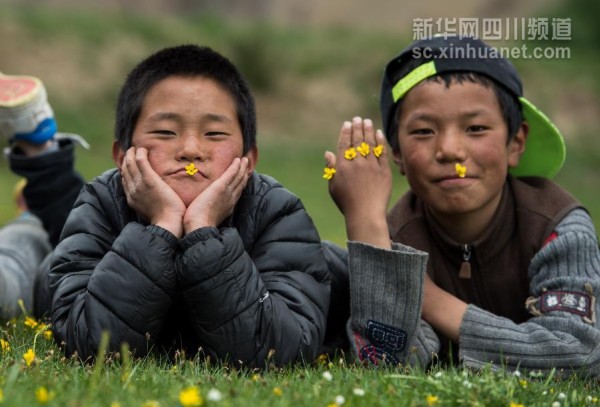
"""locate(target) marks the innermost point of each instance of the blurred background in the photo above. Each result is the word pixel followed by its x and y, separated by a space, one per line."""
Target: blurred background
pixel 311 64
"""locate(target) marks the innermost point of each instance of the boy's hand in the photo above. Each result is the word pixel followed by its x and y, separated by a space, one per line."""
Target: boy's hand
pixel 216 202
pixel 361 186
pixel 149 195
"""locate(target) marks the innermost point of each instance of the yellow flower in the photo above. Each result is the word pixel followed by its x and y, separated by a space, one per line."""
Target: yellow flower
pixel 1 396
pixel 191 169
pixel 523 383
pixel 277 391
pixel 363 149
pixel 322 359
pixel 461 170
pixel 190 396
pixel 115 404
pixel 150 403
pixel 4 345
pixel 255 377
pixel 328 173
pixel 29 356
pixel 42 395
pixel 30 322
pixel 513 404
pixel 350 153
pixel 48 334
pixel 431 400
pixel 378 150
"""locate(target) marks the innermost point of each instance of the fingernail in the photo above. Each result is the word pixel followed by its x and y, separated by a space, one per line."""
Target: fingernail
pixel 346 125
pixel 368 122
pixel 379 134
pixel 357 119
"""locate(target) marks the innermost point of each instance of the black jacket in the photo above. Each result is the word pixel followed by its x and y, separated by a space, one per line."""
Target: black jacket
pixel 257 283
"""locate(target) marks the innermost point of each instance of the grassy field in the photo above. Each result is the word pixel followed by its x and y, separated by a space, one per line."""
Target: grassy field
pixel 306 83
pixel 34 372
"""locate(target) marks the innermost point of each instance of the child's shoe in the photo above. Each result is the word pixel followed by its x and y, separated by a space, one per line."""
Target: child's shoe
pixel 24 110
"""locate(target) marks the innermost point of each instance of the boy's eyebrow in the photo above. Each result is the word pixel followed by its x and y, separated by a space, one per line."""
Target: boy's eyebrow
pixel 211 117
pixel 433 117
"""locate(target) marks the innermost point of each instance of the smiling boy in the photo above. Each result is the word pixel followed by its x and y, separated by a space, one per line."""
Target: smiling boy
pixel 220 260
pixel 487 254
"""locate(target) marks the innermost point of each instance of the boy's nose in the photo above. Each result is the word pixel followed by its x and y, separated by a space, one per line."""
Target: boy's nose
pixel 450 147
pixel 190 149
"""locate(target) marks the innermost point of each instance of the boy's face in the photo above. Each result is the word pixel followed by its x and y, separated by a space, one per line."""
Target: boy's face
pixel 185 120
pixel 441 126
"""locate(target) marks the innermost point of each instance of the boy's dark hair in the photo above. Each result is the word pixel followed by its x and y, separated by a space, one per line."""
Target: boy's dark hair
pixel 186 61
pixel 509 105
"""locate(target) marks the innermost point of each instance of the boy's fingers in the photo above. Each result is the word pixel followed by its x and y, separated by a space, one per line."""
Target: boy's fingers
pixel 357 131
pixel 381 141
pixel 330 159
pixel 345 140
pixel 369 132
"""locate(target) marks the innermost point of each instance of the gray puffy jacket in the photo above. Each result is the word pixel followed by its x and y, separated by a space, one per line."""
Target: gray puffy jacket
pixel 257 283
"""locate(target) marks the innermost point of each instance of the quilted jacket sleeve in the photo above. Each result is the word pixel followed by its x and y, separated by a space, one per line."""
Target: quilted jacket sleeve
pixel 106 277
pixel 264 302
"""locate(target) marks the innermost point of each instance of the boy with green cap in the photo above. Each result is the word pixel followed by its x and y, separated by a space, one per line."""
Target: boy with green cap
pixel 486 253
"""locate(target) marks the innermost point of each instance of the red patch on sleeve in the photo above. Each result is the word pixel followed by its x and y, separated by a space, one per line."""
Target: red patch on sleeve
pixel 550 238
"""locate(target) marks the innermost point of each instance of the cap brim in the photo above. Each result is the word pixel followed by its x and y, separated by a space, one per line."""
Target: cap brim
pixel 545 150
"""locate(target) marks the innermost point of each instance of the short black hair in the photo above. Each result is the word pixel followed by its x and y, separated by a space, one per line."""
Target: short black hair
pixel 510 106
pixel 186 61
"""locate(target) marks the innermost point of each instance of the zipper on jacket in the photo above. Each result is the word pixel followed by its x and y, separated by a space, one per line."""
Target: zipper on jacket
pixel 465 267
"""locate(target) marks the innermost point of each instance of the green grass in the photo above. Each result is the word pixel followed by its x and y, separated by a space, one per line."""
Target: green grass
pixel 138 382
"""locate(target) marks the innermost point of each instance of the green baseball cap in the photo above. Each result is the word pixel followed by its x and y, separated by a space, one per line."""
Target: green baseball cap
pixel 545 149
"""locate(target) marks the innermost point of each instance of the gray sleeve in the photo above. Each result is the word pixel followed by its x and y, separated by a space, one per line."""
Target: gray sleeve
pixel 386 293
pixel 563 332
pixel 23 245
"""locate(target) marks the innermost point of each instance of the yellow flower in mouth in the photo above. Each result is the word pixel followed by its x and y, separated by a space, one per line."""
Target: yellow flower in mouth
pixel 191 169
pixel 378 150
pixel 29 356
pixel 328 173
pixel 350 153
pixel 363 149
pixel 461 170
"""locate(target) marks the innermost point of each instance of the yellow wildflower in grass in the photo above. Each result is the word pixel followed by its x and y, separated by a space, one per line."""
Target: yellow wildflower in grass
pixel 523 383
pixel 29 356
pixel 150 403
pixel 5 346
pixel 190 396
pixel 48 334
pixel 461 170
pixel 513 404
pixel 350 153
pixel 115 404
pixel 322 359
pixel 328 173
pixel 30 322
pixel 363 149
pixel 1 396
pixel 378 150
pixel 431 400
pixel 42 395
pixel 191 169
pixel 277 391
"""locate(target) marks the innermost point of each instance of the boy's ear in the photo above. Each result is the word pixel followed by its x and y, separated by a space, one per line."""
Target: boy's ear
pixel 516 147
pixel 117 154
pixel 252 156
pixel 399 161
